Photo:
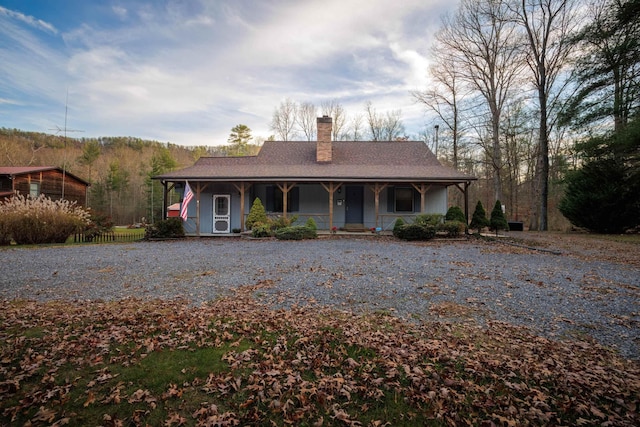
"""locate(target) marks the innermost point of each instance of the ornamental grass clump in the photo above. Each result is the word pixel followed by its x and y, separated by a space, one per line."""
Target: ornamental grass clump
pixel 30 221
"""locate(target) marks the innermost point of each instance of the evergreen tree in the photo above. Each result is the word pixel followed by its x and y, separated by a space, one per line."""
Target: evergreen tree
pixel 455 214
pixel 479 219
pixel 498 221
pixel 257 214
pixel 604 195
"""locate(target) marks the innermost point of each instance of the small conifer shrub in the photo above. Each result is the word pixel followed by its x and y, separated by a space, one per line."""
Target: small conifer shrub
pixel 479 219
pixel 498 221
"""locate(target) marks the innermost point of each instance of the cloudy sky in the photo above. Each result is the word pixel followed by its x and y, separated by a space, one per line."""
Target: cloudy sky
pixel 187 71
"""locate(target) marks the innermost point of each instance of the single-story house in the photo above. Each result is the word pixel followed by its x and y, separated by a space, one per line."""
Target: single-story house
pixel 53 182
pixel 342 184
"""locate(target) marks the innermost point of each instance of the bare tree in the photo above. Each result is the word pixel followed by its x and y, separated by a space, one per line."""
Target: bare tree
pixel 356 127
pixel 488 56
pixel 335 110
pixel 284 120
pixel 307 120
pixel 392 127
pixel 547 24
pixel 444 97
pixel 375 121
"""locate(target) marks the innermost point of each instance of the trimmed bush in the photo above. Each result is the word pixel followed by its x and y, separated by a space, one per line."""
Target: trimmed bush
pixel 30 221
pixel 281 222
pixel 452 228
pixel 479 219
pixel 416 232
pixel 164 229
pixel 498 221
pixel 311 224
pixel 257 214
pixel 429 219
pixel 455 214
pixel 397 226
pixel 296 232
pixel 261 229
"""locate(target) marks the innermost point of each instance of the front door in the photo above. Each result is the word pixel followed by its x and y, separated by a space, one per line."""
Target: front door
pixel 354 204
pixel 221 213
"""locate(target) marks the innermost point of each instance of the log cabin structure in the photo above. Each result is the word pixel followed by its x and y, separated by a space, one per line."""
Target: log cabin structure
pixel 53 182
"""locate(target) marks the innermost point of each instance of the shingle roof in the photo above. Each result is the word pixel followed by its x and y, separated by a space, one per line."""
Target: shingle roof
pixel 352 160
pixel 23 170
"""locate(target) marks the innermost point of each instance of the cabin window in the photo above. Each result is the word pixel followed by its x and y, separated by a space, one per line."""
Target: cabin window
pixel 34 189
pixel 404 199
pixel 274 199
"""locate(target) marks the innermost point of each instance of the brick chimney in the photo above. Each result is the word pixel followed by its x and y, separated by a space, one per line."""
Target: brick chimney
pixel 323 147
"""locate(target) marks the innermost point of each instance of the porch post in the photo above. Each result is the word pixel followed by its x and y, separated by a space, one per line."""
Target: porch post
pixel 465 192
pixel 377 189
pixel 242 188
pixel 332 188
pixel 198 209
pixel 165 193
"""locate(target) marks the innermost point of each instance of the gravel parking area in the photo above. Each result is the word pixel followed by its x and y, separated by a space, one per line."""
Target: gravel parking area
pixel 558 296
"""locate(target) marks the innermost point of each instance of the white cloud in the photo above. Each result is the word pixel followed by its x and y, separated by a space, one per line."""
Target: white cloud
pixel 30 20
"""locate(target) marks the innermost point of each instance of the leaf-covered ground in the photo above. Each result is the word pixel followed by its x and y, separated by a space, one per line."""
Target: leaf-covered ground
pixel 235 361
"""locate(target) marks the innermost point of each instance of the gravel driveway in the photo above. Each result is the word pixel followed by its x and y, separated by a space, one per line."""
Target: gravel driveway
pixel 561 296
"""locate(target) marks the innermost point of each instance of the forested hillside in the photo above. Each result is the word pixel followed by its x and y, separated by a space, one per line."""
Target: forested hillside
pixel 118 168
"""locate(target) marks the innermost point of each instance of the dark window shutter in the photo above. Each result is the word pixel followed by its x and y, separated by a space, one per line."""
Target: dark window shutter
pixel 391 199
pixel 270 202
pixel 293 204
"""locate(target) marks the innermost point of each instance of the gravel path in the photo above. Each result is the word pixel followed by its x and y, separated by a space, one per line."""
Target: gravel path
pixel 559 296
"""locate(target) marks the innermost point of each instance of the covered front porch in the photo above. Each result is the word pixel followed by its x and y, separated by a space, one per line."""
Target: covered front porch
pixel 220 208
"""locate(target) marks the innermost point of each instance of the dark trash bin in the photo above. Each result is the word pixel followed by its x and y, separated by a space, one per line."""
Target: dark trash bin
pixel 516 225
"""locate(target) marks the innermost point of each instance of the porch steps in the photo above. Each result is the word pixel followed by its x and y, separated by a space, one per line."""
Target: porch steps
pixel 354 228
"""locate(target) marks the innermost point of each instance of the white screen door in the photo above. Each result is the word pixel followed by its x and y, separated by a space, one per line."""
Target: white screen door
pixel 221 213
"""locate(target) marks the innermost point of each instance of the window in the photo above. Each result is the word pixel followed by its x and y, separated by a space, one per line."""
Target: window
pixel 404 200
pixel 274 199
pixel 34 189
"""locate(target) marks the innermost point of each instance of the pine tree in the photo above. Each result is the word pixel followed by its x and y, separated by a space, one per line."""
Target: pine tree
pixel 479 219
pixel 498 221
pixel 257 214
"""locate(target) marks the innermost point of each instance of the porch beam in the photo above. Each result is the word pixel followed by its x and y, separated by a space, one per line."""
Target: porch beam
pixel 422 189
pixel 285 187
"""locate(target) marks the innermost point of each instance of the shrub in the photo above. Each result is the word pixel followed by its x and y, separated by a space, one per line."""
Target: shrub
pixel 455 214
pixel 261 229
pixel 452 228
pixel 166 228
pixel 29 220
pixel 397 226
pixel 297 232
pixel 429 219
pixel 257 214
pixel 416 232
pixel 479 219
pixel 498 221
pixel 99 224
pixel 281 222
pixel 311 224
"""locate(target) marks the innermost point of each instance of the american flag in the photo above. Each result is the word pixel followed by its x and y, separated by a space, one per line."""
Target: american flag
pixel 188 195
